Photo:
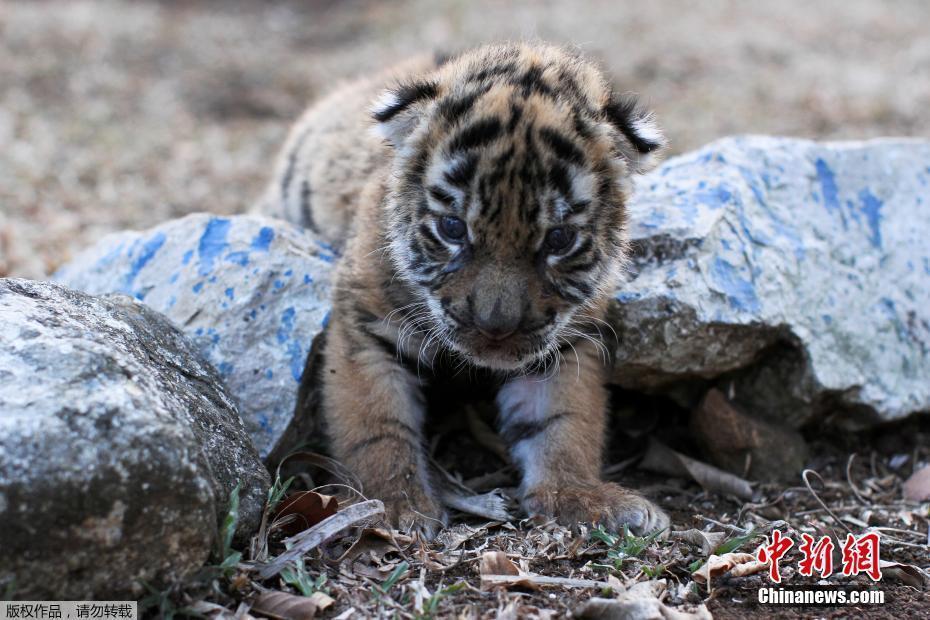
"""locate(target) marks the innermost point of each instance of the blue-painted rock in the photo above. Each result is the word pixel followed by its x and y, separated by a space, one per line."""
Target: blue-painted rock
pixel 793 274
pixel 119 447
pixel 250 292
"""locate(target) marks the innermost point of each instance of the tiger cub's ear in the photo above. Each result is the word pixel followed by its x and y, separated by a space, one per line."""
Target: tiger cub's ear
pixel 643 141
pixel 398 110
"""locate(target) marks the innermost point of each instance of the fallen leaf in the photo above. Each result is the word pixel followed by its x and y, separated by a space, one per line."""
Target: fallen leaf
pixel 707 541
pixel 917 487
pixel 277 604
pixel 907 574
pixel 497 563
pixel 662 459
pixel 640 602
pixel 736 564
pixel 377 540
pixel 307 507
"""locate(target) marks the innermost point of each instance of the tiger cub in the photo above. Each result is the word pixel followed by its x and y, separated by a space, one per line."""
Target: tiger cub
pixel 483 224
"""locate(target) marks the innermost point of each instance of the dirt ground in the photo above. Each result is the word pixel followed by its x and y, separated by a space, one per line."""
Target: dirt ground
pixel 121 115
pixel 124 114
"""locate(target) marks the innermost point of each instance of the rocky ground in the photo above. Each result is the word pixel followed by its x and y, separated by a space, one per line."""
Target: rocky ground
pixel 124 115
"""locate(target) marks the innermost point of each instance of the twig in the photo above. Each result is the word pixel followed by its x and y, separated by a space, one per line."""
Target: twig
pixel 541 580
pixel 807 482
pixel 320 533
pixel 852 486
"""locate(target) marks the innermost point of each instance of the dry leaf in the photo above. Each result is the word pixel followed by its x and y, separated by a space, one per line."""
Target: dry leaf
pixel 662 459
pixel 308 508
pixel 736 564
pixel 907 574
pixel 497 563
pixel 707 541
pixel 640 601
pixel 917 487
pixel 276 604
pixel 377 540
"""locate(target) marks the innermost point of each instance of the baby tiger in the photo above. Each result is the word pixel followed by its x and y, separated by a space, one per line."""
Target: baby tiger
pixel 483 225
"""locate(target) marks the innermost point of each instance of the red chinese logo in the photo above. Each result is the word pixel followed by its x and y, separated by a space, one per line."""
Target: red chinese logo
pixel 817 557
pixel 860 555
pixel 773 552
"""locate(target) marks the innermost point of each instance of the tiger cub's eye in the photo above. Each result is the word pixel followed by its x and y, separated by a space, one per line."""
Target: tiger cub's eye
pixel 559 239
pixel 452 228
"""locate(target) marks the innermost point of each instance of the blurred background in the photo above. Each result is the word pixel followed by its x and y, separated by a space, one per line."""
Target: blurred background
pixel 123 114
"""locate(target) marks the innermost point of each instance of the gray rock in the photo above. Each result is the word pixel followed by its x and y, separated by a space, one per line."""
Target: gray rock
pixel 793 272
pixel 119 447
pixel 251 292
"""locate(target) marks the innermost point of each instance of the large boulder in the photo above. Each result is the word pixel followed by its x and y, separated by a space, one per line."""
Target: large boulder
pixel 789 272
pixel 250 292
pixel 119 447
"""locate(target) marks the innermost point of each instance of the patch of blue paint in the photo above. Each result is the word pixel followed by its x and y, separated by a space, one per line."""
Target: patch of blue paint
pixel 197 287
pixel 627 296
pixel 828 185
pixel 296 354
pixel 107 259
pixel 199 331
pixel 325 322
pixel 240 258
pixel 174 277
pixel 307 278
pixel 187 257
pixel 171 301
pixel 655 220
pixel 288 273
pixel 714 197
pixel 212 243
pixel 827 319
pixel 269 374
pixel 278 285
pixel 149 249
pixel 263 239
pixel 740 292
pixel 871 208
pixel 225 369
pixel 287 325
pixel 253 313
pixel 231 293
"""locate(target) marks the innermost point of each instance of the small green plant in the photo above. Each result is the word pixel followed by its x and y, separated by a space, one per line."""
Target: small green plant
pixel 432 603
pixel 297 577
pixel 229 558
pixel 727 546
pixel 277 491
pixel 393 578
pixel 623 546
pixel 654 572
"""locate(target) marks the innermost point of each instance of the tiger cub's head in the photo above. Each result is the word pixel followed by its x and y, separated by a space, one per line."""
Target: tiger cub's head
pixel 506 203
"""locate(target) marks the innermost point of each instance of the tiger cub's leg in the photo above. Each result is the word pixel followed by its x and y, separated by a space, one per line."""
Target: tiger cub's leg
pixel 374 412
pixel 555 429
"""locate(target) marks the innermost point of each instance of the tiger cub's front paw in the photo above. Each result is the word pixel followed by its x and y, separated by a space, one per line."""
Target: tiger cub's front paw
pixel 414 511
pixel 602 503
